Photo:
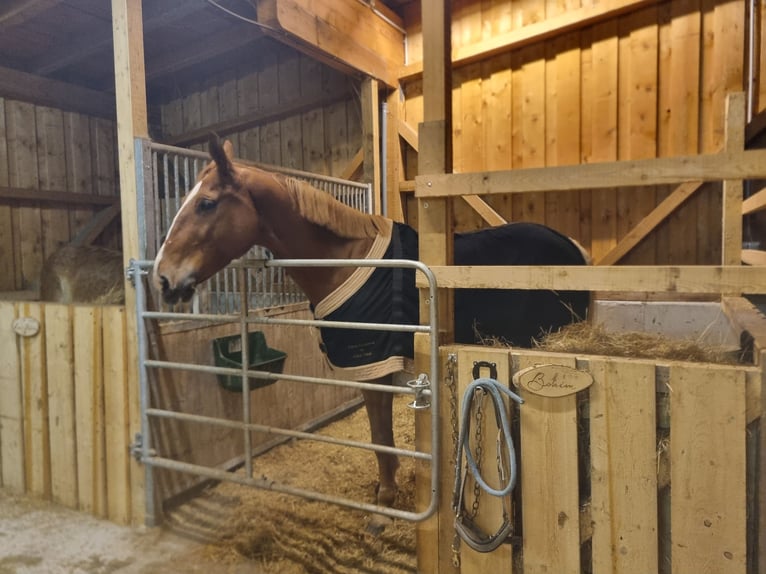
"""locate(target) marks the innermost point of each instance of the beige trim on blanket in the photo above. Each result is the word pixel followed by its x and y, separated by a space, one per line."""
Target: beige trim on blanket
pixel 351 285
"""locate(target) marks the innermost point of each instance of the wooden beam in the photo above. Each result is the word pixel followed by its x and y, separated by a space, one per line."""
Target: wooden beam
pixel 96 225
pixel 52 196
pixel 484 210
pixel 648 223
pixel 371 139
pixel 534 32
pixel 130 88
pixel 753 257
pixel 731 236
pixel 354 166
pixel 54 93
pixel 714 279
pixel 408 134
pixel 259 117
pixel 394 160
pixel 346 32
pixel 756 202
pixel 655 171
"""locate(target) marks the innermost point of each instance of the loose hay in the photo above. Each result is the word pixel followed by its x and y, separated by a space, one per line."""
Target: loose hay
pixel 282 534
pixel 590 339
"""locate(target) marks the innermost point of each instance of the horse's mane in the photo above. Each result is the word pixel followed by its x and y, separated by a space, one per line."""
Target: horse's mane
pixel 324 210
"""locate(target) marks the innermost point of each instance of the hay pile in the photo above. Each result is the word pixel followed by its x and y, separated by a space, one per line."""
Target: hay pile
pixel 584 338
pixel 281 534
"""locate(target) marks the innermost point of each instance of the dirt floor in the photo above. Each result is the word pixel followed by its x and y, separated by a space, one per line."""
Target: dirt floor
pixel 232 529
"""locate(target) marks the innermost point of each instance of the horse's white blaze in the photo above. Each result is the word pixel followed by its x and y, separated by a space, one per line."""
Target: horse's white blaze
pixel 192 193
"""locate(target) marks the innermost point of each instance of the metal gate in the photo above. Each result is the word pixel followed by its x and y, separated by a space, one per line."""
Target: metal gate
pixel 232 296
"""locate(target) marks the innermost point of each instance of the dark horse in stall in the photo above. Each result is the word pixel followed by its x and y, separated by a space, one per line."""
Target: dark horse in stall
pixel 233 207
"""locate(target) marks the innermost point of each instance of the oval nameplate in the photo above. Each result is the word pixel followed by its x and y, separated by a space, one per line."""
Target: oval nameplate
pixel 552 380
pixel 26 326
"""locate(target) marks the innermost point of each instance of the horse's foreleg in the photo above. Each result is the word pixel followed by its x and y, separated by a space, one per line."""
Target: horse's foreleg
pixel 379 411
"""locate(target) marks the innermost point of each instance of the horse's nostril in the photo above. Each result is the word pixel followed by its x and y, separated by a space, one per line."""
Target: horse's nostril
pixel 164 282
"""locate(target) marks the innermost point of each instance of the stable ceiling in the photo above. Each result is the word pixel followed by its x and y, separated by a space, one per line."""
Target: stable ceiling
pixel 59 52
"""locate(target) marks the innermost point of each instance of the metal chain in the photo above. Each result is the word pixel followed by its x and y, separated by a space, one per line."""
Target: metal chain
pixel 452 386
pixel 480 394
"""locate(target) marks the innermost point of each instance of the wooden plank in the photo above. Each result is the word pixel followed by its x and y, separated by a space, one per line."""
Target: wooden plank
pixel 394 162
pixel 268 95
pixel 731 246
pixel 529 127
pixel 484 210
pixel 17 194
pixel 562 127
pixel 713 167
pixel 290 135
pixel 116 414
pixel 121 396
pixel 637 115
pixel 34 381
pixel 312 124
pixel 754 203
pixel 43 91
pixel 345 32
pixel 533 32
pixel 22 170
pixel 666 207
pixel 707 453
pixel 490 510
pixel 7 263
pixel 623 466
pixel 634 278
pixel 104 156
pixel 12 462
pixel 761 468
pixel 89 408
pixel 59 347
pixel 78 162
pixel 549 477
pixel 371 140
pixel 52 173
pixel 247 102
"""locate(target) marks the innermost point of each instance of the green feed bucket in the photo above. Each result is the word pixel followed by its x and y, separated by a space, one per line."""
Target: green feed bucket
pixel 228 353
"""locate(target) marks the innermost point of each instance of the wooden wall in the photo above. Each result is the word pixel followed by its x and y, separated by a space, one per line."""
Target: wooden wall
pixel 48 150
pixel 322 140
pixel 648 83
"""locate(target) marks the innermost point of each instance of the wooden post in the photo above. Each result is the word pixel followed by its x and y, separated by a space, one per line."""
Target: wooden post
pixel 731 246
pixel 130 88
pixel 371 139
pixel 435 237
pixel 394 166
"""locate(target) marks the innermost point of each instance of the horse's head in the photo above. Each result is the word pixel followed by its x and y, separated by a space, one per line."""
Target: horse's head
pixel 214 226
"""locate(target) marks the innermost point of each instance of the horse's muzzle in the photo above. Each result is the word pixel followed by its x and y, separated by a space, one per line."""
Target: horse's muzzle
pixel 180 292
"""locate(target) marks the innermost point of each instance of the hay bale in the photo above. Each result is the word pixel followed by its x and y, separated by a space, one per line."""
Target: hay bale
pixel 584 338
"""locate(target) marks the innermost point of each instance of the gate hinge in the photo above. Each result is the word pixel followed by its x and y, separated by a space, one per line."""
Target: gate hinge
pixel 136 448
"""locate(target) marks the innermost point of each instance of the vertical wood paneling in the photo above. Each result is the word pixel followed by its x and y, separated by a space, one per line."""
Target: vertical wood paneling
pixel 602 95
pixel 11 404
pixel 290 134
pixel 7 251
pixel 268 96
pixel 562 127
pixel 549 478
pixel 89 408
pixel 22 171
pixel 116 414
pixel 707 472
pixel 59 349
pixel 77 148
pixel 623 466
pixel 529 126
pixel 497 124
pixel 36 421
pixel 52 172
pixel 312 122
pixel 247 102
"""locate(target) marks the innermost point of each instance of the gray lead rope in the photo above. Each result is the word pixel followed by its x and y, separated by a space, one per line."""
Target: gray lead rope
pixel 476 539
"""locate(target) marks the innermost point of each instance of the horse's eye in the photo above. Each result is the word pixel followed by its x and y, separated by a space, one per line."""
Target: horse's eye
pixel 205 205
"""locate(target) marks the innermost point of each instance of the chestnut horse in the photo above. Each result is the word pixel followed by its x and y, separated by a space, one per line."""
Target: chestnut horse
pixel 233 207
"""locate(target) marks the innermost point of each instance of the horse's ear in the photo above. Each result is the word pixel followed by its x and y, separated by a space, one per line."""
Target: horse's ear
pixel 222 155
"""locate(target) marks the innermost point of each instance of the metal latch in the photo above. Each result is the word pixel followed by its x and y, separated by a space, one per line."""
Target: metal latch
pixel 422 387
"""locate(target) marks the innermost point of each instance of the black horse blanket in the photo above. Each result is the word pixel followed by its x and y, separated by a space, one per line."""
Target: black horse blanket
pixel 389 295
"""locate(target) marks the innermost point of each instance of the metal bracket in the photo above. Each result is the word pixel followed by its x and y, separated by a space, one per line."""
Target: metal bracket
pixel 422 388
pixel 130 273
pixel 136 448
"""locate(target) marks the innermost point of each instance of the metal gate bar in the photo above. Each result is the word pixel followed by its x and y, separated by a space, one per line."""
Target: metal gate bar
pixel 145 453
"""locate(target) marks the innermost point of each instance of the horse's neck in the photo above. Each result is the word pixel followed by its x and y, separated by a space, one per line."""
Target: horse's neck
pixel 289 235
